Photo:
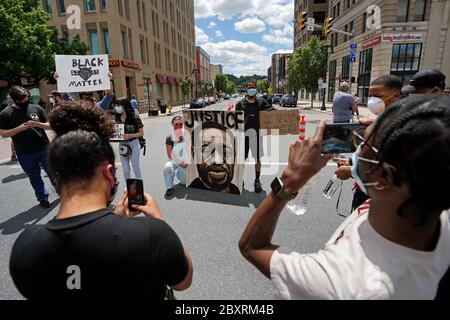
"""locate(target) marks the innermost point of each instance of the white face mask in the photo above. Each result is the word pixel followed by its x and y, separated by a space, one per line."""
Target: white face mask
pixel 376 105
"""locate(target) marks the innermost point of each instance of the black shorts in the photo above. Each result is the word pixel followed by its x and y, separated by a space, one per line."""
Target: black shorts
pixel 255 146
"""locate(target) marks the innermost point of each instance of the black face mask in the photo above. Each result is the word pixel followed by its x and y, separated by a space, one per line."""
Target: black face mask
pixel 22 105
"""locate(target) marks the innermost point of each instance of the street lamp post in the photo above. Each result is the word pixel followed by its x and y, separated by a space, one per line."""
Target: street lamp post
pixel 324 107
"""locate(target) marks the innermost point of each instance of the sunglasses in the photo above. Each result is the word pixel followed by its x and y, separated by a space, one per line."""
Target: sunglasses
pixel 178 125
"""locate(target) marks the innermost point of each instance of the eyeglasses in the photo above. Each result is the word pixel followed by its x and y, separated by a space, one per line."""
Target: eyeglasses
pixel 358 139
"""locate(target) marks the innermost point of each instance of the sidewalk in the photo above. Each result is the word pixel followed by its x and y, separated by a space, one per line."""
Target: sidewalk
pixel 364 112
pixel 175 110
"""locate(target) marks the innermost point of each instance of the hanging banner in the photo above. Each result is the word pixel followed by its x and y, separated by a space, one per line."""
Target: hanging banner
pixel 215 140
pixel 82 73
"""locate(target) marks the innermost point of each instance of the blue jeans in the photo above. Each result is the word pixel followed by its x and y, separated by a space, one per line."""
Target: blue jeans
pixel 170 170
pixel 134 159
pixel 31 163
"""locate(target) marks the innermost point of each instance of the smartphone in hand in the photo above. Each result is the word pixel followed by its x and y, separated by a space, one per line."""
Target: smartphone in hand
pixel 135 189
pixel 338 138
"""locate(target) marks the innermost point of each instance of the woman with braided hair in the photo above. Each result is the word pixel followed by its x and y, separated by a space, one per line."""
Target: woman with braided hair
pixel 397 244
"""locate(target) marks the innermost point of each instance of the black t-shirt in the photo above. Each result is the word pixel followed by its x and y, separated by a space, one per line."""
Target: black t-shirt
pixel 133 125
pixel 117 257
pixel 29 141
pixel 251 112
pixel 169 140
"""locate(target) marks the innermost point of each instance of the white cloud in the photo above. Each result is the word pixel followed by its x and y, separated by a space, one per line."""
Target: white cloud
pixel 274 12
pixel 219 34
pixel 200 36
pixel 250 25
pixel 239 58
pixel 212 25
pixel 281 36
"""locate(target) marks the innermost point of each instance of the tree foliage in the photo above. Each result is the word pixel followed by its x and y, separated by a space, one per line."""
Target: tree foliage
pixel 27 44
pixel 220 83
pixel 207 89
pixel 262 85
pixel 307 65
pixel 186 86
pixel 242 80
pixel 230 87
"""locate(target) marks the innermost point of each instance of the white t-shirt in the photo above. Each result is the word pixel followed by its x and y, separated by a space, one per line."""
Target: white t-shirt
pixel 358 263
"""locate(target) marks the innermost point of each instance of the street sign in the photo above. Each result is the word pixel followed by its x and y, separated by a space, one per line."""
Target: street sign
pixel 352 54
pixel 353 46
pixel 310 24
pixel 352 59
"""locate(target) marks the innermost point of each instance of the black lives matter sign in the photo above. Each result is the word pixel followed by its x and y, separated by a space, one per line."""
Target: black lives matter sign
pixel 82 73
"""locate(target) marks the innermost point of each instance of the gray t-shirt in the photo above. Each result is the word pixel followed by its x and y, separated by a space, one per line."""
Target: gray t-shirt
pixel 342 107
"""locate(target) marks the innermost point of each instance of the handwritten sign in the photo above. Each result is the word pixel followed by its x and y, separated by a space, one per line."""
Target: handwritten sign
pixel 82 73
pixel 119 135
pixel 286 121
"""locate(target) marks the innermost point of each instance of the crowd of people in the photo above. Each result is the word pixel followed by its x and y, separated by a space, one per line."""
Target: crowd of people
pixel 395 244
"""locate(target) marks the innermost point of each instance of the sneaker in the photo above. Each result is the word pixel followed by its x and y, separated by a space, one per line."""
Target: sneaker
pixel 169 192
pixel 258 186
pixel 44 203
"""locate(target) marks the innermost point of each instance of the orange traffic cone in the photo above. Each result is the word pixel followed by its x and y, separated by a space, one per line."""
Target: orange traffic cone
pixel 302 128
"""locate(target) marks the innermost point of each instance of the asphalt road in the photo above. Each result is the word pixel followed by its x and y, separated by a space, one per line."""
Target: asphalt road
pixel 209 224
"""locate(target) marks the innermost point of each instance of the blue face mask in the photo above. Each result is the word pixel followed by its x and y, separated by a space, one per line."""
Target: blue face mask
pixel 252 92
pixel 118 109
pixel 355 174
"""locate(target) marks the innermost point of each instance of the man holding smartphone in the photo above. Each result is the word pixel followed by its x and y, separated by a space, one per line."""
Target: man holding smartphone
pixel 26 123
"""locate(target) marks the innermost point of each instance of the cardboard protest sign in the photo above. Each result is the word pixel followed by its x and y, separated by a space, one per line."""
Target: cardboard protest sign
pixel 119 135
pixel 215 143
pixel 286 121
pixel 82 73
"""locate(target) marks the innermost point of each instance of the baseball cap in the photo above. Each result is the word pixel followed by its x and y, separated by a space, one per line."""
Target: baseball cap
pixel 429 78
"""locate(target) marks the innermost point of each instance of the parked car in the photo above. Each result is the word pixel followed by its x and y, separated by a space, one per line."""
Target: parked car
pixel 198 103
pixel 226 97
pixel 276 99
pixel 212 100
pixel 288 101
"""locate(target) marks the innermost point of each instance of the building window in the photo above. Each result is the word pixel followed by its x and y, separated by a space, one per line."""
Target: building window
pixel 119 2
pixel 141 42
pixel 106 41
pixel 331 80
pixel 365 70
pixel 338 10
pixel 351 26
pixel 345 67
pixel 61 7
pixel 364 22
pixel 103 5
pixel 94 43
pixel 89 5
pixel 48 6
pixel 130 39
pixel 402 10
pixel 127 9
pixel 419 10
pixel 319 16
pixel 406 60
pixel 320 1
pixel 144 15
pixel 124 43
pixel 138 6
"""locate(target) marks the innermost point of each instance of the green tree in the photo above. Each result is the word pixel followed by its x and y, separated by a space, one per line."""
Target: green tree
pixel 262 85
pixel 307 65
pixel 230 87
pixel 206 89
pixel 27 44
pixel 186 87
pixel 220 83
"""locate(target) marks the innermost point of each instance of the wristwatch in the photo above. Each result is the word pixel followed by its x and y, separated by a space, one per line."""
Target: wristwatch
pixel 279 192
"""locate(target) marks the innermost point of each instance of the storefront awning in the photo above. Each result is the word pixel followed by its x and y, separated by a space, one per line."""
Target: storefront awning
pixel 161 79
pixel 171 80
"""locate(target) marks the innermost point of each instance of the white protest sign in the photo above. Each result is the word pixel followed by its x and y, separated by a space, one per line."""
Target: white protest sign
pixel 82 73
pixel 119 135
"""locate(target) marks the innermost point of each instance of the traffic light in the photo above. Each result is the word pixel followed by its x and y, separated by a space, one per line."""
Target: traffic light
pixel 301 21
pixel 327 27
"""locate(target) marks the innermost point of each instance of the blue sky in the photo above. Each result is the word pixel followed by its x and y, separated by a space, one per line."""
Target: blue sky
pixel 243 34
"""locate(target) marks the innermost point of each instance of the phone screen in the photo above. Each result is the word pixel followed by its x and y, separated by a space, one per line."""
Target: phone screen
pixel 338 138
pixel 135 189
